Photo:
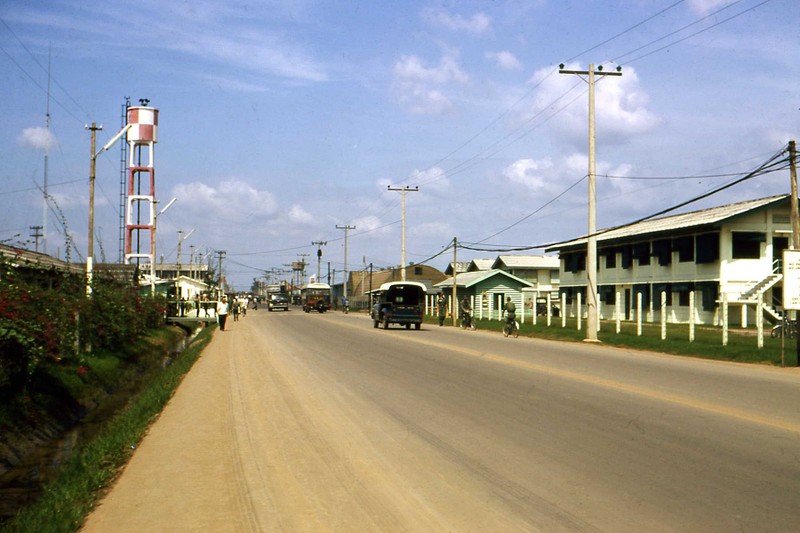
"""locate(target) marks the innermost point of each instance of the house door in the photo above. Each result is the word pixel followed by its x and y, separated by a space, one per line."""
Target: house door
pixel 627 304
pixel 779 244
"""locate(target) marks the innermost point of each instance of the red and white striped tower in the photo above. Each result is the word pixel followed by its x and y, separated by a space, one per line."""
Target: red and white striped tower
pixel 140 208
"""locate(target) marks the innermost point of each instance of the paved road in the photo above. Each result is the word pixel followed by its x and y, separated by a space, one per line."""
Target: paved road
pixel 308 422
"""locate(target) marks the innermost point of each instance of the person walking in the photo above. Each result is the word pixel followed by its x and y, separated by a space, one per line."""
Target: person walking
pixel 441 306
pixel 466 313
pixel 222 313
pixel 510 310
pixel 235 309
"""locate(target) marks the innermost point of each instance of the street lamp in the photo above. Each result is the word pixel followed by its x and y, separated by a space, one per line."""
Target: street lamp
pixel 153 262
pixel 94 128
pixel 180 240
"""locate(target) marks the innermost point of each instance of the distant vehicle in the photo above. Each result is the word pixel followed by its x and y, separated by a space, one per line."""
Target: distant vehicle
pixel 316 297
pixel 278 301
pixel 399 302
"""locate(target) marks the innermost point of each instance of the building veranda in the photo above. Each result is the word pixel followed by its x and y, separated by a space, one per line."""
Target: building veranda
pixel 722 256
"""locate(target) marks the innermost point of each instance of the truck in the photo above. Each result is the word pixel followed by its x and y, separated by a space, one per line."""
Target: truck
pixel 399 302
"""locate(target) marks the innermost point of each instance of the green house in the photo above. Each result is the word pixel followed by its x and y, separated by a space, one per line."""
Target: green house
pixel 487 291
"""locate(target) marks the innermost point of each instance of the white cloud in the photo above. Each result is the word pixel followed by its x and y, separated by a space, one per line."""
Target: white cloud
pixel 36 137
pixel 536 176
pixel 418 88
pixel 620 106
pixel 298 215
pixel 505 60
pixel 478 23
pixel 232 201
pixel 433 180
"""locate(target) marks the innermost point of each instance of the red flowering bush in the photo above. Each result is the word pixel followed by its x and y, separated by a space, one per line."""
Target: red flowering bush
pixel 45 316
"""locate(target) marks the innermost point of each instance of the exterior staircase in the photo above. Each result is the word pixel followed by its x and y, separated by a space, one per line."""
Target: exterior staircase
pixel 752 294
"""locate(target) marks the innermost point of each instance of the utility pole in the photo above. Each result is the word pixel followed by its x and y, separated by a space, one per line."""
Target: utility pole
pixel 795 218
pixel 403 191
pixel 795 212
pixel 36 233
pixel 346 228
pixel 220 253
pixel 94 128
pixel 591 241
pixel 454 304
pixel 319 245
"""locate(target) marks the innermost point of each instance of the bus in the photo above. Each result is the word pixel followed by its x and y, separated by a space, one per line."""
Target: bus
pixel 316 296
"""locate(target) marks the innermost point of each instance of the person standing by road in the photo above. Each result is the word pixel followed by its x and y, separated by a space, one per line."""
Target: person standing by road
pixel 222 313
pixel 441 306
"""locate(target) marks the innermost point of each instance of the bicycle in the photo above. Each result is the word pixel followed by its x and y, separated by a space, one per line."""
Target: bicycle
pixel 467 322
pixel 511 328
pixel 786 328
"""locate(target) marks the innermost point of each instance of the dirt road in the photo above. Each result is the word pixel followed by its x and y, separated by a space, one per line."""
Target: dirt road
pixel 307 422
pixel 253 441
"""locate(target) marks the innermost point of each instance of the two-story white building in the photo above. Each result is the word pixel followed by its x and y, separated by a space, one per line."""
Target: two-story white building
pixel 733 250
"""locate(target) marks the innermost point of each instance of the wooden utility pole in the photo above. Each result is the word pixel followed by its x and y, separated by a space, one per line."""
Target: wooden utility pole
pixel 454 305
pixel 403 191
pixel 221 253
pixel 795 210
pixel 592 318
pixel 795 223
pixel 346 228
pixel 92 167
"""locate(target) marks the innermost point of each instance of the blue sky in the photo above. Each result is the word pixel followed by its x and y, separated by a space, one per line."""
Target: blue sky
pixel 281 120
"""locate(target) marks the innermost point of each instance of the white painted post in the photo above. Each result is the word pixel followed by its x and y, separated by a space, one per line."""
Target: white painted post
pixel 480 313
pixel 599 314
pixel 638 314
pixel 691 316
pixel 578 314
pixel 533 307
pixel 563 309
pixel 744 316
pixel 760 321
pixel 724 318
pixel 617 311
pixel 549 316
pixel 663 315
pixel 522 320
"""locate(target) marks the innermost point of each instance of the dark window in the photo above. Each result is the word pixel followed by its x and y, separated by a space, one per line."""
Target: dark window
pixel 683 290
pixel 644 290
pixel 663 250
pixel 627 257
pixel 707 248
pixel 685 248
pixel 658 288
pixel 417 271
pixel 611 258
pixel 607 294
pixel 747 244
pixel 641 251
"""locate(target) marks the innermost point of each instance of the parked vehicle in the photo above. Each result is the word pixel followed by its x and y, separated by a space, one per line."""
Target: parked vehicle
pixel 278 301
pixel 399 302
pixel 316 297
pixel 787 328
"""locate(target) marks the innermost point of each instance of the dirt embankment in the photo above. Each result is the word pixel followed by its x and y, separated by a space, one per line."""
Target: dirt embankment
pixel 47 424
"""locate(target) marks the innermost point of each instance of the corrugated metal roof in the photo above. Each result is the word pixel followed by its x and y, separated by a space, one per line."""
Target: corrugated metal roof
pixel 469 279
pixel 527 261
pixel 481 264
pixel 675 222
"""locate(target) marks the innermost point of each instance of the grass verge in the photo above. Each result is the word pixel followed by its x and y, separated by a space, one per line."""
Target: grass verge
pixel 70 497
pixel 742 344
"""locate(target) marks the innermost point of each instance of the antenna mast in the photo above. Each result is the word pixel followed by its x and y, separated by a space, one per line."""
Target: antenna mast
pixel 46 155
